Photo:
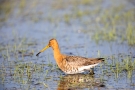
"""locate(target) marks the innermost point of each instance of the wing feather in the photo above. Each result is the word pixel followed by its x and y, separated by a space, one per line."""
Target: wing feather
pixel 79 61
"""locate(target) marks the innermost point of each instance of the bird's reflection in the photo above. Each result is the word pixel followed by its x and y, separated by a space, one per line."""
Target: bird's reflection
pixel 79 81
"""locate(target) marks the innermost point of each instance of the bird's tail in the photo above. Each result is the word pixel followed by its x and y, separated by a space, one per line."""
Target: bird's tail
pixel 101 59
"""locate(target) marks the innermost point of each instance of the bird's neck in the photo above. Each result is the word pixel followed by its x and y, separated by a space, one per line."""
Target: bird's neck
pixel 57 54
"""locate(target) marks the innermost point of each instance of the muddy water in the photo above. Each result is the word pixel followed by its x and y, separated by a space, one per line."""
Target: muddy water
pixel 27 26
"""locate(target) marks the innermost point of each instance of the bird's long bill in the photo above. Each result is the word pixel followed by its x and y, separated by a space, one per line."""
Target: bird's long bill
pixel 43 50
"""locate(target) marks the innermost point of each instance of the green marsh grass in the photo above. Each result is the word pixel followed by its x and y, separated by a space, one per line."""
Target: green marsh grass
pixel 114 25
pixel 6 10
pixel 22 3
pixel 120 65
pixel 109 25
pixel 14 57
pixel 24 71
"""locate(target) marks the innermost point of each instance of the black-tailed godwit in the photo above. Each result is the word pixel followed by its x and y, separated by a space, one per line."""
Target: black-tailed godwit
pixel 71 64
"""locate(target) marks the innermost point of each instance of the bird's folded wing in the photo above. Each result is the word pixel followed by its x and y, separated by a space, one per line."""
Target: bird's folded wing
pixel 82 61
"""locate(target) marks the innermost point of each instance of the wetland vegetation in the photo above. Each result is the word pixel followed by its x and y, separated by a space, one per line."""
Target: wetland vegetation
pixel 89 28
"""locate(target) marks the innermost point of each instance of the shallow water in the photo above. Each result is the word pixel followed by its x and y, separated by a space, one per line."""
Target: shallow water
pixel 27 26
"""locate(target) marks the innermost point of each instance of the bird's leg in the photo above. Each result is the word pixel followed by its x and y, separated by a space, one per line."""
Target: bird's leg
pixel 92 71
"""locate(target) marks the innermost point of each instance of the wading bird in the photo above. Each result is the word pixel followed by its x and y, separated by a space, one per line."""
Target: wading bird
pixel 71 64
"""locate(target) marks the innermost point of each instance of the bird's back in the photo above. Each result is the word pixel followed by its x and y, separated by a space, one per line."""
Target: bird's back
pixel 77 64
pixel 82 61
